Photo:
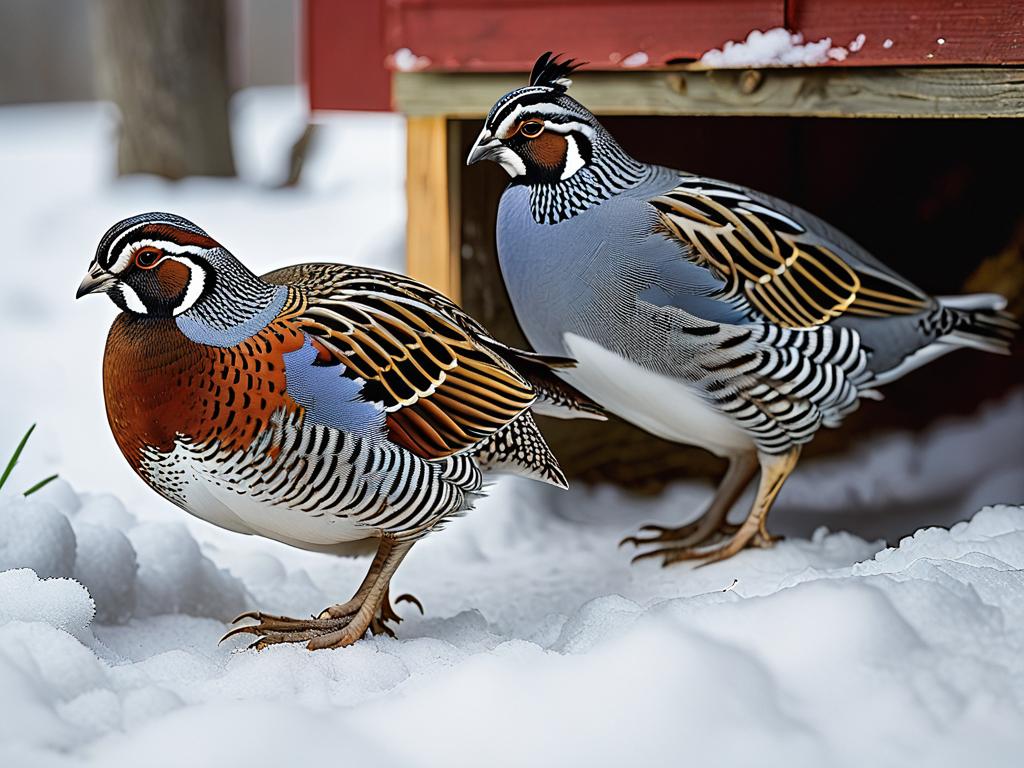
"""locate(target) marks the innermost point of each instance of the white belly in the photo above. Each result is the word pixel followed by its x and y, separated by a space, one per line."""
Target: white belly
pixel 664 406
pixel 239 512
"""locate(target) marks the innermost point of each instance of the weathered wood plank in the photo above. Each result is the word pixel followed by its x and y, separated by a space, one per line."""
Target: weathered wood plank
pixel 827 92
pixel 431 255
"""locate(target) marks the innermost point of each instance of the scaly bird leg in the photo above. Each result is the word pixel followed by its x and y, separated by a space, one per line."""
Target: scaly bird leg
pixel 342 624
pixel 753 531
pixel 712 523
pixel 364 617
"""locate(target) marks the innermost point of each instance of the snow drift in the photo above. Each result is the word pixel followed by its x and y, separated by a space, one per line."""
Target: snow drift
pixel 540 643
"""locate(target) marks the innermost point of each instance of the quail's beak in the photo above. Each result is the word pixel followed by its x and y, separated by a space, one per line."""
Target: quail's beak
pixel 486 147
pixel 96 281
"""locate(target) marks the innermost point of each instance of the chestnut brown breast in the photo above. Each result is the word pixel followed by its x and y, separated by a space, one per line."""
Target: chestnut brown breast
pixel 159 385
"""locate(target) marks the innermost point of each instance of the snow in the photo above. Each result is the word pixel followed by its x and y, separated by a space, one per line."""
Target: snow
pixel 540 643
pixel 404 60
pixel 539 639
pixel 778 47
pixel 638 59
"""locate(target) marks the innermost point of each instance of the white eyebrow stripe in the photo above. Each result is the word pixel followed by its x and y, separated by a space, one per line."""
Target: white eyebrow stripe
pixel 515 102
pixel 125 257
pixel 565 128
pixel 110 254
pixel 506 124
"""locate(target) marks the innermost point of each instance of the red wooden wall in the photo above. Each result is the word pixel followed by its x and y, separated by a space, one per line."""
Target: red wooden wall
pixel 349 44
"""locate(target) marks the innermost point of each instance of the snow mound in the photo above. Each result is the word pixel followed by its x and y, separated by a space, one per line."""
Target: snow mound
pixel 778 47
pixel 175 577
pixel 106 565
pixel 36 535
pixel 128 569
pixel 62 603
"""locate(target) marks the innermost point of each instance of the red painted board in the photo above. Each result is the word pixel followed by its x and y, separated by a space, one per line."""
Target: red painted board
pixel 345 55
pixel 922 32
pixel 489 36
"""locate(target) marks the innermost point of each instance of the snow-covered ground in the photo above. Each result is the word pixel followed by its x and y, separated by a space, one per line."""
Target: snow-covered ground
pixel 540 645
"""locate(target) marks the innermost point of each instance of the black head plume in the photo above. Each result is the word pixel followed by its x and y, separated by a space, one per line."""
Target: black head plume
pixel 548 71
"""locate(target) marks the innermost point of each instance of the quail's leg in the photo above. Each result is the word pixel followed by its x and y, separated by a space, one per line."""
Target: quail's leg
pixel 753 530
pixel 712 523
pixel 369 612
pixel 342 624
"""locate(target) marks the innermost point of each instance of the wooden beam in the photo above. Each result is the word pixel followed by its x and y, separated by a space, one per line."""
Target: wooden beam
pixel 798 92
pixel 431 249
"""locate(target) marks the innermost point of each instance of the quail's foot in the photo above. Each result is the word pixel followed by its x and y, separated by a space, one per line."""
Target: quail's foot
pixel 709 527
pixel 344 623
pixel 726 540
pixel 683 536
pixel 723 544
pixel 335 627
pixel 687 538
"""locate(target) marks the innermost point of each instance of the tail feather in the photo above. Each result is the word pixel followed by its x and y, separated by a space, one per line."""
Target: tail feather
pixel 555 396
pixel 981 322
pixel 990 301
pixel 520 449
pixel 976 321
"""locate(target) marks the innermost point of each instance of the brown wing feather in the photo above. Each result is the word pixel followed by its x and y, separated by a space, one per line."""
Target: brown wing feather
pixel 443 390
pixel 769 259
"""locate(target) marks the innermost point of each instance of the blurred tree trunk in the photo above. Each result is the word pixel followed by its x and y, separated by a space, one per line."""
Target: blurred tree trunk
pixel 164 62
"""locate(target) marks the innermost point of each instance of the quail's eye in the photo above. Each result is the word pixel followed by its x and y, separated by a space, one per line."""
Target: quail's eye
pixel 146 258
pixel 532 129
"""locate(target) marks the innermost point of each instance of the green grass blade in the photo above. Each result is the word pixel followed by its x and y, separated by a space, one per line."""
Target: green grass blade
pixel 40 484
pixel 16 456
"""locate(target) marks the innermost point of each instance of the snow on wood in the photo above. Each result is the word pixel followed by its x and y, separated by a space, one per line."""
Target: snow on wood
pixel 778 48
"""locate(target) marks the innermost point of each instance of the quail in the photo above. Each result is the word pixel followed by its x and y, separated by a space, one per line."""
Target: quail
pixel 333 408
pixel 701 311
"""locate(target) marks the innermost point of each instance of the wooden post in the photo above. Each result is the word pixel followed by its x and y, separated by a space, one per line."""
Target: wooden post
pixel 432 241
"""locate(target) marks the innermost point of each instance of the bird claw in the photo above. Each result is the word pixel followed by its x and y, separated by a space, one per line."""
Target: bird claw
pixel 246 629
pixel 331 628
pixel 685 536
pixel 653 528
pixel 660 533
pixel 387 613
pixel 722 545
pixel 272 630
pixel 245 615
pixel 405 597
